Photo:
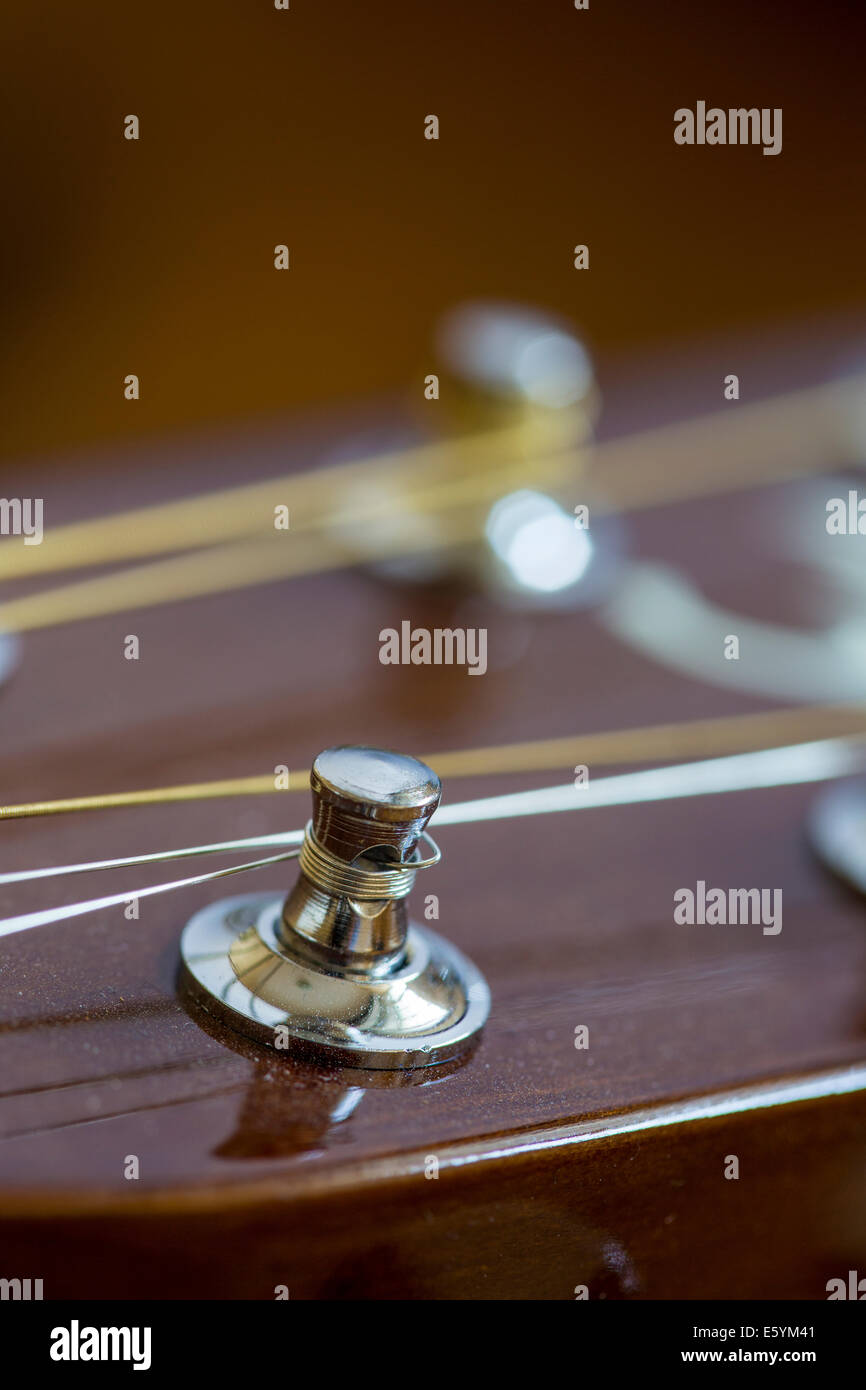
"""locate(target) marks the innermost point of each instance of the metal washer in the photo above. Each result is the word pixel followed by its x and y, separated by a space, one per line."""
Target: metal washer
pixel 238 971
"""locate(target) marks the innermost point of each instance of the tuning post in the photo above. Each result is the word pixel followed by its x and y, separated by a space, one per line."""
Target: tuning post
pixel 518 391
pixel 9 654
pixel 338 971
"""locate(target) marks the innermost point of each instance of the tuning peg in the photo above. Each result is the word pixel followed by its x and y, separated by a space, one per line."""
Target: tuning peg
pixel 836 826
pixel 338 971
pixel 9 654
pixel 510 366
pixel 516 402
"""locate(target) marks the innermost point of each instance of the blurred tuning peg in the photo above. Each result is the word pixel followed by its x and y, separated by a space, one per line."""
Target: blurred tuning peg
pixel 836 828
pixel 519 401
pixel 499 502
pixel 9 650
pixel 507 367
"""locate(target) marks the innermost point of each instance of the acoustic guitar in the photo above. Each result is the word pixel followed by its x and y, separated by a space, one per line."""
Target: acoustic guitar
pixel 551 984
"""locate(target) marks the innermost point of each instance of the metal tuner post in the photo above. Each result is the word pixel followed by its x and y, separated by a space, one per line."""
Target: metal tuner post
pixel 337 971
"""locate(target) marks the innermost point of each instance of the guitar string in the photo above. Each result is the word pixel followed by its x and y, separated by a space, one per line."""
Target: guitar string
pixel 206 518
pixel 200 573
pixel 659 742
pixel 10 925
pixel 236 566
pixel 816 761
pixel 271 556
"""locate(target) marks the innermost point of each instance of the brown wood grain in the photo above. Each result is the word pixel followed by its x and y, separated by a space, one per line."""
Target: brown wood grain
pixel 247 1159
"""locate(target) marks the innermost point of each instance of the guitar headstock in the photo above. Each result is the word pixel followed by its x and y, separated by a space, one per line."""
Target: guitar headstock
pixel 448 554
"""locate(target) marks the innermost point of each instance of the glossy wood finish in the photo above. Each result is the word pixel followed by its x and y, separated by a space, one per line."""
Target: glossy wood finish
pixel 252 1167
pixel 632 1217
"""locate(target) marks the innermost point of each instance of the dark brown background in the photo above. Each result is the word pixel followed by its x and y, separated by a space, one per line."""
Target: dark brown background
pixel 261 126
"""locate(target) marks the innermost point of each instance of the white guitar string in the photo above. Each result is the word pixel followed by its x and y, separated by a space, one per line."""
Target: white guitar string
pixel 775 767
pixel 771 767
pixel 133 861
pixel 8 925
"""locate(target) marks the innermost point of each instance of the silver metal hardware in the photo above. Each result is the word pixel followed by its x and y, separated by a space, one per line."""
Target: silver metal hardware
pixel 837 831
pixel 9 654
pixel 338 972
